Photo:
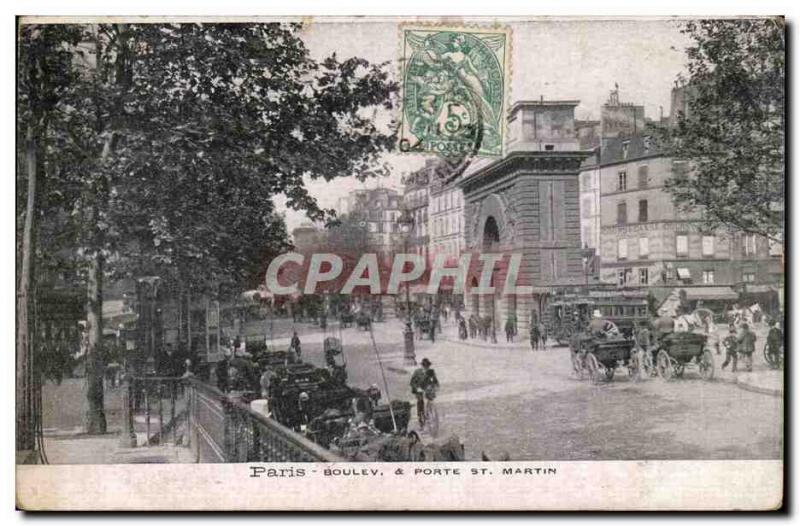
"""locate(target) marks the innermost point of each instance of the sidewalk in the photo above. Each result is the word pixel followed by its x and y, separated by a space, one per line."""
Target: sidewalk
pixel 106 449
pixel 762 380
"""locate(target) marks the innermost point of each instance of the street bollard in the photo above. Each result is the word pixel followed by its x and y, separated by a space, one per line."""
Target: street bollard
pixel 410 357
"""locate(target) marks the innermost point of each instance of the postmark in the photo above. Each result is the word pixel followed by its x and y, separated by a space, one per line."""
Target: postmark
pixel 454 91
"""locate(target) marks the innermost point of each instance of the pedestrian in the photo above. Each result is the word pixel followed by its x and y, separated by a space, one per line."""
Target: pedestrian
pixel 642 340
pixel 295 343
pixel 509 329
pixel 747 346
pixel 731 345
pixel 535 337
pixel 774 339
pixel 473 326
pixel 544 337
pixel 462 328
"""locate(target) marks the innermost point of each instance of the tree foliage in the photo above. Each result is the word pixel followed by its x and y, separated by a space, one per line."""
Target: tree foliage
pixel 210 123
pixel 733 134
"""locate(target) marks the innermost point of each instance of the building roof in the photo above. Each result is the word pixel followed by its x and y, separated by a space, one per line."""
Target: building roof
pixel 639 147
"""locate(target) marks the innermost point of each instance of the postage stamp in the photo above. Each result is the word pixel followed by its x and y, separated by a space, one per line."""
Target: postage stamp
pixel 454 90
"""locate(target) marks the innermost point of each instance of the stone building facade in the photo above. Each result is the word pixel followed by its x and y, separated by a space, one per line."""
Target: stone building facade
pixel 527 203
pixel 646 241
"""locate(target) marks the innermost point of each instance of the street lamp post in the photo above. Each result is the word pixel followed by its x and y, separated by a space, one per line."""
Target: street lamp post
pixel 406 222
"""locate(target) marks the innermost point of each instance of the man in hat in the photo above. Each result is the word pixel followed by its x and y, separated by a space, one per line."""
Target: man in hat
pixel 599 326
pixel 424 378
pixel 730 345
pixel 774 339
pixel 747 345
pixel 535 336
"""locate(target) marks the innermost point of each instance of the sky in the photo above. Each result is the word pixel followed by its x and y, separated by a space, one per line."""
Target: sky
pixel 554 58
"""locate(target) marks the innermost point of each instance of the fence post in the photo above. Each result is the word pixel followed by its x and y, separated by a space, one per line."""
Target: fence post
pixel 127 436
pixel 229 439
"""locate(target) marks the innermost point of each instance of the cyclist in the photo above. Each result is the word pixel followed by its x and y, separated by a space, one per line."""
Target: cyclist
pixel 424 378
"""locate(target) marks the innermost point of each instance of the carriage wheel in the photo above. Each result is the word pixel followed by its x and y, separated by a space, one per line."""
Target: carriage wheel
pixel 594 368
pixel 577 365
pixel 663 367
pixel 679 368
pixel 707 365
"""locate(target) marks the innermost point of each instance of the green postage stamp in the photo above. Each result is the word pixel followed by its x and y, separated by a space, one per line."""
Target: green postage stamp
pixel 454 90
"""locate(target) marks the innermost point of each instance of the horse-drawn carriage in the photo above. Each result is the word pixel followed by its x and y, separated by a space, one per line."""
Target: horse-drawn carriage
pixel 600 356
pixel 301 392
pixel 677 350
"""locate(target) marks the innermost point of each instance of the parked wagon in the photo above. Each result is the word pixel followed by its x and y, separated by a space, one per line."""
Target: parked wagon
pixel 678 350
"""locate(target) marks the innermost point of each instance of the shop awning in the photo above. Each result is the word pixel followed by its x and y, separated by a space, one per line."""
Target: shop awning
pixel 760 289
pixel 710 293
pixel 683 273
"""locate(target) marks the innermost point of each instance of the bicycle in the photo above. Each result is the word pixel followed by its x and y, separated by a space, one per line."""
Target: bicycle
pixel 431 414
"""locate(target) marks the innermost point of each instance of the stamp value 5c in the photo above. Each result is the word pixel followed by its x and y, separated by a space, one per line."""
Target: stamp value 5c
pixel 454 90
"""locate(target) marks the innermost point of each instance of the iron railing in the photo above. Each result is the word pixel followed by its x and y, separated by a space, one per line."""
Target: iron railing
pixel 153 410
pixel 224 429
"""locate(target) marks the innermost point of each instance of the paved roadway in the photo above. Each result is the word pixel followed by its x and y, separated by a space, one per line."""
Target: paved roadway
pixel 530 405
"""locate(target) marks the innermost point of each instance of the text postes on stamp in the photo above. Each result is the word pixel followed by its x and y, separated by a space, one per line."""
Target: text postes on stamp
pixel 454 83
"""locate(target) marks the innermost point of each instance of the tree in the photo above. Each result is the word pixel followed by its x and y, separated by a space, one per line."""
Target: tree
pixel 173 140
pixel 732 134
pixel 44 75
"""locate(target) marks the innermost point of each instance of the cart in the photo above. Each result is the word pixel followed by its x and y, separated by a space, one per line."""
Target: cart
pixel 677 350
pixel 599 357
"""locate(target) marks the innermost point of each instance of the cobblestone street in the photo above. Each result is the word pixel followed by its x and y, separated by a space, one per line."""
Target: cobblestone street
pixel 509 399
pixel 530 405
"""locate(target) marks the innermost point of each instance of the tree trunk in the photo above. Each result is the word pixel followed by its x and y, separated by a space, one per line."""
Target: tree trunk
pixel 95 415
pixel 24 402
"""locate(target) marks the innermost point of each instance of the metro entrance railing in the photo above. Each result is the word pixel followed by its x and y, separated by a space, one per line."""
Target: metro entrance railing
pixel 218 427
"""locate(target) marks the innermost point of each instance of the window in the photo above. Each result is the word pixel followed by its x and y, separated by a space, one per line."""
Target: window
pixel 643 211
pixel 622 181
pixel 749 277
pixel 622 249
pixel 622 213
pixel 644 247
pixel 643 176
pixel 749 245
pixel 622 275
pixel 776 246
pixel 708 246
pixel 643 276
pixel 682 245
pixel 708 277
pixel 549 147
pixel 625 146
